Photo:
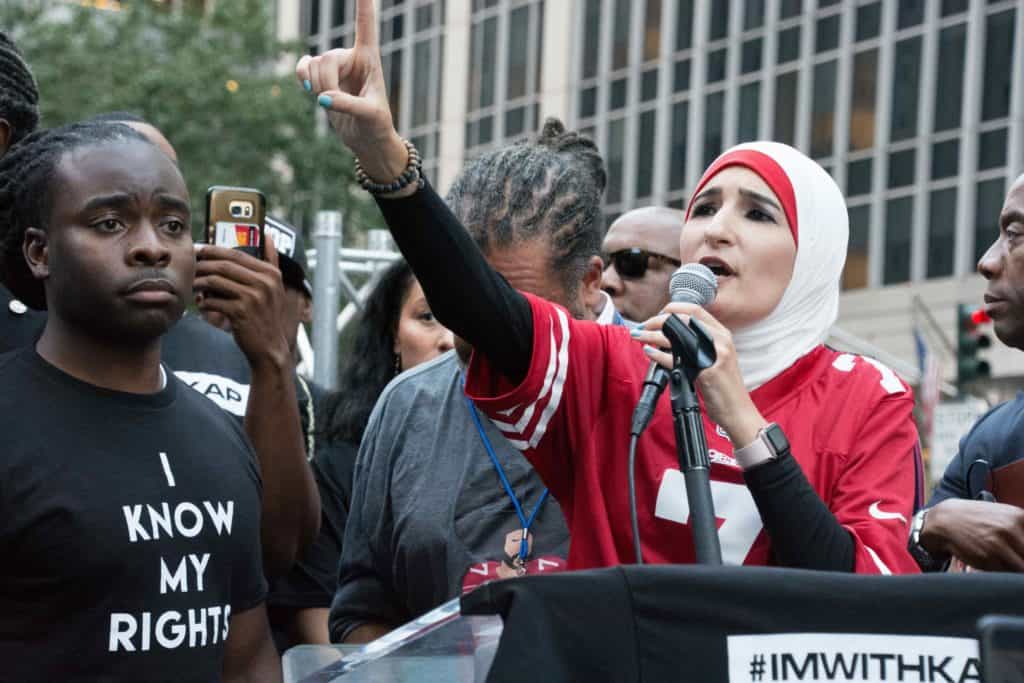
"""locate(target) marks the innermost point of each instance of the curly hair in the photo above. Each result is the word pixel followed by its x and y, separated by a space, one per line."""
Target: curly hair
pixel 19 95
pixel 27 174
pixel 370 364
pixel 551 185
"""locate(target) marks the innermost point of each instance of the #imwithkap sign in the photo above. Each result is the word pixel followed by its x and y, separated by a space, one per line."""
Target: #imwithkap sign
pixel 859 658
pixel 164 522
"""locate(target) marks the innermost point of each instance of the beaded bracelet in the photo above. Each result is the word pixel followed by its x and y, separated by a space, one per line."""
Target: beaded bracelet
pixel 411 174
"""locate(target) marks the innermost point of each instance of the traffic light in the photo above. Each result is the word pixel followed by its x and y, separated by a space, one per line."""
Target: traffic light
pixel 970 340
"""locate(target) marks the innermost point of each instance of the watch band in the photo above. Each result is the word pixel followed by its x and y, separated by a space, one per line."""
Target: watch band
pixel 771 443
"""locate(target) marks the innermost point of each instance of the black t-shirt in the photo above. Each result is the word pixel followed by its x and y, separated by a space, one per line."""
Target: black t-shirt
pixel 995 438
pixel 208 360
pixel 129 529
pixel 19 324
pixel 313 579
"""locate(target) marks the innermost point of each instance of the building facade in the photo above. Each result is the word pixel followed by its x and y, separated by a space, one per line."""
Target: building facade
pixel 916 108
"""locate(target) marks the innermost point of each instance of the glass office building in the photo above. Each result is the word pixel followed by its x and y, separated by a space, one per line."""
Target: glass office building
pixel 916 107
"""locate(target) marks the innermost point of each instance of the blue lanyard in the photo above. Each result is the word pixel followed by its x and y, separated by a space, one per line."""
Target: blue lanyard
pixel 524 545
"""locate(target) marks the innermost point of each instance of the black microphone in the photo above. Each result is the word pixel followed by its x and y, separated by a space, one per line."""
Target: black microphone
pixel 692 283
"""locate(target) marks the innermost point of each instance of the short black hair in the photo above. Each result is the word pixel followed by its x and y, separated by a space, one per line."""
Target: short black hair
pixel 19 94
pixel 26 177
pixel 370 364
pixel 551 185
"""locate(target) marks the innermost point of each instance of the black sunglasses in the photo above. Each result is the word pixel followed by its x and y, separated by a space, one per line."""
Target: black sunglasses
pixel 633 263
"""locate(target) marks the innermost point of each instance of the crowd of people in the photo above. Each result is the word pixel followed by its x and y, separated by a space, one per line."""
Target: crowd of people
pixel 176 497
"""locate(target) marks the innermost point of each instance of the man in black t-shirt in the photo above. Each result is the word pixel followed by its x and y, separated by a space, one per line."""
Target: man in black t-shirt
pixel 129 514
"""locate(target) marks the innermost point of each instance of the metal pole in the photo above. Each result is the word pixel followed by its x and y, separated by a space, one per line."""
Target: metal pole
pixel 327 238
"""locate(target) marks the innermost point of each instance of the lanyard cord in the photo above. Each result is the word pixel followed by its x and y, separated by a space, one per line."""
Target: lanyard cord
pixel 524 546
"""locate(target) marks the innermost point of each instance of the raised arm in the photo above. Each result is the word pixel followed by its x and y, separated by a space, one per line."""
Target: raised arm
pixel 465 294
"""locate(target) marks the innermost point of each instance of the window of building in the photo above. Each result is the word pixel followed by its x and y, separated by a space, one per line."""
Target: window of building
pixel 753 14
pixel 988 206
pixel 750 109
pixel 950 7
pixel 862 100
pixel 909 13
pixel 680 128
pixel 681 76
pixel 684 24
pixel 790 8
pixel 649 85
pixel 591 37
pixel 588 103
pixel 905 82
pixel 901 168
pixel 823 106
pixel 645 154
pixel 856 271
pixel 945 159
pixel 858 177
pixel 899 221
pixel 869 21
pixel 714 114
pixel 992 149
pixel 789 45
pixel 751 56
pixel 620 33
pixel 504 73
pixel 614 157
pixel 941 232
pixel 995 101
pixel 617 95
pixel 949 97
pixel 652 30
pixel 785 107
pixel 719 27
pixel 717 65
pixel 826 35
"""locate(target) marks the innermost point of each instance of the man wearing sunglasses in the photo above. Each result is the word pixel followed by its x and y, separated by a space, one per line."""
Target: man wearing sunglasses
pixel 641 252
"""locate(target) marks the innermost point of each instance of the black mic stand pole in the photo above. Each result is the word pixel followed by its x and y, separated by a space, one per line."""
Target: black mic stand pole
pixel 693 350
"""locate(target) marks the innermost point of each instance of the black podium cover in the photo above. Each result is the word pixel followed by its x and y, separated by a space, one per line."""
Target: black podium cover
pixel 683 623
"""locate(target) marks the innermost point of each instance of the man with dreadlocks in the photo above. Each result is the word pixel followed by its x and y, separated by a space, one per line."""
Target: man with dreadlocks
pixel 19 116
pixel 427 455
pixel 130 511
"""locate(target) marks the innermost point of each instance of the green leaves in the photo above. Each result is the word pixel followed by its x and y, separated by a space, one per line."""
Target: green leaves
pixel 210 83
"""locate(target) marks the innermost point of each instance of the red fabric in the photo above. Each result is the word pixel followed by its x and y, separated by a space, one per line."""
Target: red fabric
pixel 849 421
pixel 769 170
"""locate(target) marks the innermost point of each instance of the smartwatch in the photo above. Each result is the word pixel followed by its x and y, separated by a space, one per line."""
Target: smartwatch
pixel 771 444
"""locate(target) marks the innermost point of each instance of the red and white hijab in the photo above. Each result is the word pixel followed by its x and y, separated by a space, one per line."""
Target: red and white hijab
pixel 817 217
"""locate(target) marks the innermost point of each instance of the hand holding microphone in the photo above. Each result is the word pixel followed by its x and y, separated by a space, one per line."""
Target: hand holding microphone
pixel 726 399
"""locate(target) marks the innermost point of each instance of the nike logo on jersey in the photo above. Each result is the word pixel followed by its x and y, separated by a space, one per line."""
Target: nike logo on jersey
pixel 878 513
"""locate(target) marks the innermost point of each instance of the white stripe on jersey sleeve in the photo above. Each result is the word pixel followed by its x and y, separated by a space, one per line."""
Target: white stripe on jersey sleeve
pixel 559 384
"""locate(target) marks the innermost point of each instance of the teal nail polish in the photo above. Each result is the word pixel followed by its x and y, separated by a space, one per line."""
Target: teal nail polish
pixel 307 85
pixel 324 101
pixel 635 333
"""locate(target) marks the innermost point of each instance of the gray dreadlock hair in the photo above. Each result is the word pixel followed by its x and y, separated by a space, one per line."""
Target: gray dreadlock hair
pixel 549 186
pixel 19 96
pixel 27 174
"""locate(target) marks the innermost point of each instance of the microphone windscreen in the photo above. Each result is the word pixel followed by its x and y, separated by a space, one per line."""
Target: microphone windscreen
pixel 693 283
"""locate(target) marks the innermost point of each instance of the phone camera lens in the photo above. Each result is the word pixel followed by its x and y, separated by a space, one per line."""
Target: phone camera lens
pixel 236 210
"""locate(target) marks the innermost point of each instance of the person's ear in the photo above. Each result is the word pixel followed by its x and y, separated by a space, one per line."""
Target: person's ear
pixel 5 136
pixel 591 289
pixel 35 247
pixel 306 310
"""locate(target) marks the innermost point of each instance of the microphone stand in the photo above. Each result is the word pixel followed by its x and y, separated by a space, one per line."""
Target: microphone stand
pixel 693 350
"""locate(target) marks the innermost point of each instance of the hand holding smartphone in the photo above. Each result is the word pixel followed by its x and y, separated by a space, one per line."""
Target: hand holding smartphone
pixel 235 218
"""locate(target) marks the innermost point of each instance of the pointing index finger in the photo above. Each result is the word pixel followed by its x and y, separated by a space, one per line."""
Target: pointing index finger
pixel 366 24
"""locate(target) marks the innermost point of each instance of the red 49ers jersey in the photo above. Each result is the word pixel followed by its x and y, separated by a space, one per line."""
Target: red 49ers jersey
pixel 848 420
